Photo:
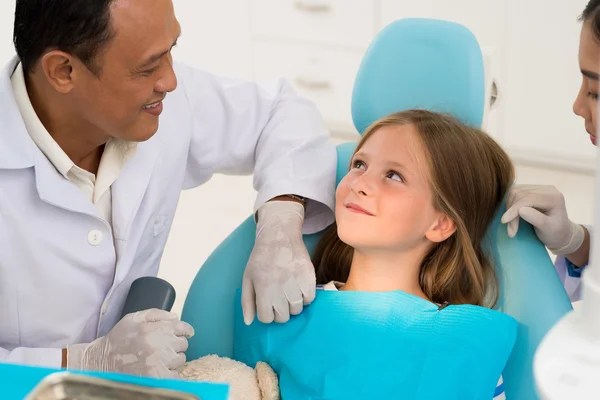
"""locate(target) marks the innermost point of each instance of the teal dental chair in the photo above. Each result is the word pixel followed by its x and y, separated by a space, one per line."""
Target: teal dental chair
pixel 412 63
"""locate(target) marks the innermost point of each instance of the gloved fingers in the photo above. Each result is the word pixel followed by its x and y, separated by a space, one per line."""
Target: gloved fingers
pixel 528 193
pixel 293 298
pixel 513 227
pixel 281 308
pixel 308 285
pixel 295 307
pixel 153 315
pixel 174 328
pixel 540 203
pixel 175 361
pixel 248 301
pixel 512 212
pixel 515 193
pixel 179 344
pixel 264 305
pixel 534 217
pixel 183 329
pixel 163 371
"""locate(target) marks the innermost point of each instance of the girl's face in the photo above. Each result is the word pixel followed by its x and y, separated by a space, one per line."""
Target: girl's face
pixel 586 103
pixel 385 202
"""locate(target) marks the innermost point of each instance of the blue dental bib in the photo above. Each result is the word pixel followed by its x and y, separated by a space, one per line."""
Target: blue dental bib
pixel 358 345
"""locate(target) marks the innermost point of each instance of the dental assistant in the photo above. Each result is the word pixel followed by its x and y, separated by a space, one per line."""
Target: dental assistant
pixel 100 131
pixel 544 206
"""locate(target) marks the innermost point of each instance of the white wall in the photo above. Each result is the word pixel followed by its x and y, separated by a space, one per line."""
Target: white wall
pixel 535 64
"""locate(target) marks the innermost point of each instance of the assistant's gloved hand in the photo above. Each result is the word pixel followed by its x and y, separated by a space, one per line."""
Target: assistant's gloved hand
pixel 146 343
pixel 544 208
pixel 279 278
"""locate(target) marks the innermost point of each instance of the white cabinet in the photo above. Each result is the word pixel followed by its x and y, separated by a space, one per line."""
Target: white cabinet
pixel 530 53
pixel 316 44
pixel 324 75
pixel 485 18
pixel 542 80
pixel 332 22
pixel 214 35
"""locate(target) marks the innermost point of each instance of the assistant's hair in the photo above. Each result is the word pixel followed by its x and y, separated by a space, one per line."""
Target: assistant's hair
pixel 470 175
pixel 78 27
pixel 592 13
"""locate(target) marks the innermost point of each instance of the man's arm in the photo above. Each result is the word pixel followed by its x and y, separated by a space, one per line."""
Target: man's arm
pixel 268 130
pixel 41 357
pixel 241 127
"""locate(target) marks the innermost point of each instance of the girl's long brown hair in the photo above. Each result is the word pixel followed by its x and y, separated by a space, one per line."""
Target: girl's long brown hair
pixel 470 175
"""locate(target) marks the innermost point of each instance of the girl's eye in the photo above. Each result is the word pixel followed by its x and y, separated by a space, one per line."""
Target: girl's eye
pixel 358 164
pixel 395 176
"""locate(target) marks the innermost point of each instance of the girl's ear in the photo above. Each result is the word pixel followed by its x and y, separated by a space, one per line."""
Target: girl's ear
pixel 442 228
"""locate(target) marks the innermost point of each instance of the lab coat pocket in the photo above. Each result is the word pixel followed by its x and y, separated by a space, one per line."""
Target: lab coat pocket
pixel 152 244
pixel 159 225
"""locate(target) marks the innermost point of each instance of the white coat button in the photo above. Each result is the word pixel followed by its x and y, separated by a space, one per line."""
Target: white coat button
pixel 104 308
pixel 95 237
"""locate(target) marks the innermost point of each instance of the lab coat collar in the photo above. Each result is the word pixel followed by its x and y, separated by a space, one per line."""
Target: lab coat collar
pixel 129 188
pixel 17 151
pixel 16 146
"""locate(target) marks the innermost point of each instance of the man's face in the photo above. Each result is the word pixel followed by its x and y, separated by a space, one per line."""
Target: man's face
pixel 136 71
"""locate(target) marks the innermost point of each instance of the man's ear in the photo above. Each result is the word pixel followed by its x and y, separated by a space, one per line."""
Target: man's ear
pixel 442 228
pixel 57 67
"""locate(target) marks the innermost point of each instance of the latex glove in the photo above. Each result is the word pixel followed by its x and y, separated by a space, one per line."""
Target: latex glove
pixel 279 278
pixel 146 343
pixel 544 208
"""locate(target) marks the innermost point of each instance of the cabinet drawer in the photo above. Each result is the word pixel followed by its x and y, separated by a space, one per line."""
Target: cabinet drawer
pixel 326 76
pixel 337 22
pixel 485 18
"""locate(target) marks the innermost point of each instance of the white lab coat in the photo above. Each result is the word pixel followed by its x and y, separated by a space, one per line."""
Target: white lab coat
pixel 58 283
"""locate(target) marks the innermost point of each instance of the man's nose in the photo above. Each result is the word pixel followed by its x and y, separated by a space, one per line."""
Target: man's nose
pixel 168 81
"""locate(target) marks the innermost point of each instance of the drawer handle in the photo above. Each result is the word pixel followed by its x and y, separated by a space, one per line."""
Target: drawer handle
pixel 312 83
pixel 314 6
pixel 494 95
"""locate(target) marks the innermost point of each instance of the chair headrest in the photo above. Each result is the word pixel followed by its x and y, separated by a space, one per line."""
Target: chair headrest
pixel 419 63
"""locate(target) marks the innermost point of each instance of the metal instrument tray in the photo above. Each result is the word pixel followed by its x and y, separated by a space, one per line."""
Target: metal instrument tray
pixel 69 386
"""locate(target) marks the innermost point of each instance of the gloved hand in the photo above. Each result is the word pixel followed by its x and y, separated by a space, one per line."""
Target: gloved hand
pixel 146 343
pixel 280 277
pixel 544 208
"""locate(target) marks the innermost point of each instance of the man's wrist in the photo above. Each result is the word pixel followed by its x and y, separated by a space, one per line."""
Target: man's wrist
pixel 284 197
pixel 290 197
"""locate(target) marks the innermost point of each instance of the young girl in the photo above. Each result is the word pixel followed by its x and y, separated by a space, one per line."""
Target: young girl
pixel 413 211
pixel 407 253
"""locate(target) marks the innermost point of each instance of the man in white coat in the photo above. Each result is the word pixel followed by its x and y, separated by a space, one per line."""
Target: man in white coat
pixel 100 131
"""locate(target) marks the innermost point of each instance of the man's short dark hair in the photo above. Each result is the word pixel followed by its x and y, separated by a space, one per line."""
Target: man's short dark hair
pixel 77 27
